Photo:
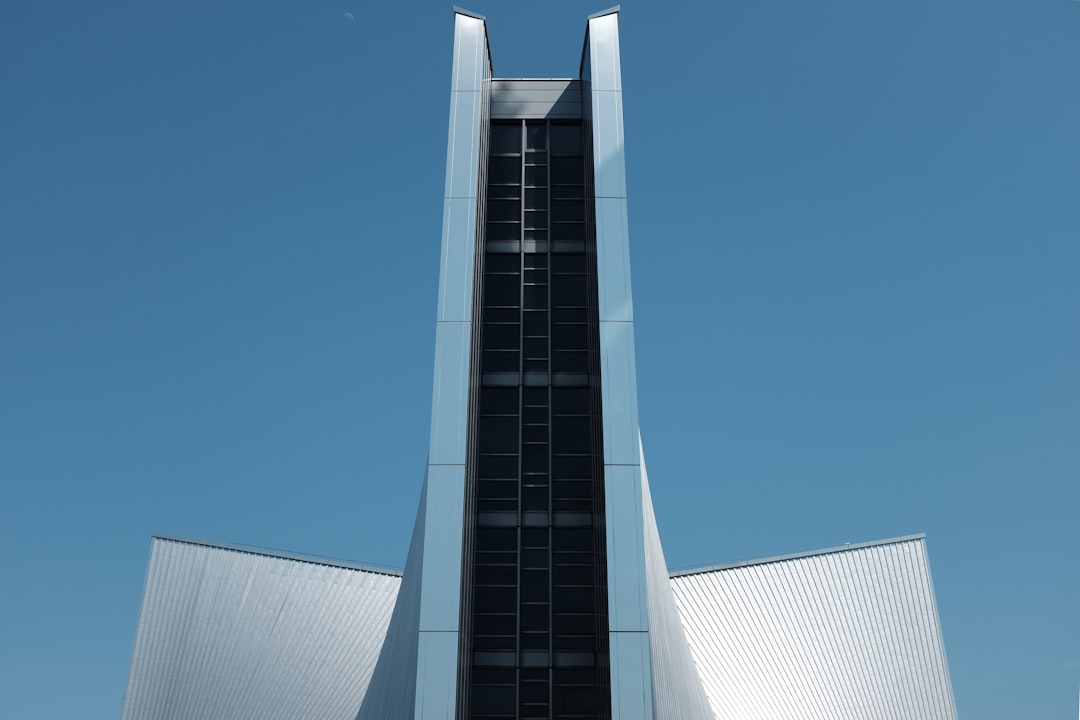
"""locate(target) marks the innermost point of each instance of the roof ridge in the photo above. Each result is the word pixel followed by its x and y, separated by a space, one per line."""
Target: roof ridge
pixel 284 555
pixel 796 555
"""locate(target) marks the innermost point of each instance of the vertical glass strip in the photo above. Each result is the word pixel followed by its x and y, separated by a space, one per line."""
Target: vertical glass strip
pixel 536 637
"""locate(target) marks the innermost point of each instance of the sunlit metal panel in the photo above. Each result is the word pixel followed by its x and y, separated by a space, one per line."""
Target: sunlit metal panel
pixel 246 635
pixel 844 634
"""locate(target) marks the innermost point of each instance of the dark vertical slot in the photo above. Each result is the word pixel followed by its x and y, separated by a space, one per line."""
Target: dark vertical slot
pixel 536 637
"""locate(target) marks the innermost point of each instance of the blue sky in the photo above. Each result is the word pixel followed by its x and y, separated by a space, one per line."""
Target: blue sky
pixel 856 238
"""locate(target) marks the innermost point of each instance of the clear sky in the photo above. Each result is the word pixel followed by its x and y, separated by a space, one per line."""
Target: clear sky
pixel 856 238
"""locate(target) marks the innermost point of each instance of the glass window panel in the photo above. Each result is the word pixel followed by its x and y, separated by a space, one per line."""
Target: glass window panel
pixel 572 599
pixel 503 539
pixel 565 624
pixel 494 676
pixel 576 539
pixel 571 467
pixel 570 315
pixel 534 397
pixel 534 585
pixel 535 415
pixel 536 176
pixel 502 290
pixel 568 290
pixel 488 624
pixel 568 210
pixel 535 261
pixel 536 219
pixel 567 171
pixel 535 433
pixel 504 210
pixel 568 232
pixel 536 198
pixel 494 506
pixel 534 558
pixel 494 699
pixel 575 700
pixel 535 366
pixel 497 264
pixel 574 642
pixel 534 458
pixel 568 362
pixel 573 575
pixel 570 489
pixel 535 136
pixel 569 401
pixel 496 599
pixel 536 276
pixel 501 488
pixel 502 401
pixel 501 361
pixel 501 336
pixel 575 676
pixel 495 575
pixel 534 692
pixel 504 170
pixel 569 337
pixel 499 433
pixel 499 642
pixel 502 232
pixel 568 192
pixel 536 348
pixel 535 617
pixel 568 264
pixel 536 323
pixel 536 297
pixel 505 192
pixel 534 538
pixel 566 139
pixel 534 499
pixel 507 315
pixel 570 434
pixel 494 658
pixel 497 466
pixel 505 139
pixel 536 641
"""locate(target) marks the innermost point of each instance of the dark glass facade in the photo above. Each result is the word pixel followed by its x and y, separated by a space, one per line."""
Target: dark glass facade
pixel 534 601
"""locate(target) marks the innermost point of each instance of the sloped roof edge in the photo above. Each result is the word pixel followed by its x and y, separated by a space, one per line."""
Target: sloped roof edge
pixel 283 555
pixel 797 555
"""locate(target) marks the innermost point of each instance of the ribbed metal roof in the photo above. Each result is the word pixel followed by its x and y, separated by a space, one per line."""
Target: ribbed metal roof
pixel 844 634
pixel 240 634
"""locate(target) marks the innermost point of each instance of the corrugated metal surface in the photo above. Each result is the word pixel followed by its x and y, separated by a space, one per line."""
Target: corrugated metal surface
pixel 848 634
pixel 242 635
pixel 392 690
pixel 678 693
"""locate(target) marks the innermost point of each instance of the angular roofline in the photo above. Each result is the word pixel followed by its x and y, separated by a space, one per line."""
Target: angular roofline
pixel 487 38
pixel 610 11
pixel 797 555
pixel 283 555
pixel 469 13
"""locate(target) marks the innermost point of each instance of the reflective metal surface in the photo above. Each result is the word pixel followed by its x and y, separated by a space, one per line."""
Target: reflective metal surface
pixel 247 635
pixel 845 634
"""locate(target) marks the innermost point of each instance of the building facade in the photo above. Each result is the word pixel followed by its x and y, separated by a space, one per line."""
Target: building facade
pixel 535 584
pixel 533 514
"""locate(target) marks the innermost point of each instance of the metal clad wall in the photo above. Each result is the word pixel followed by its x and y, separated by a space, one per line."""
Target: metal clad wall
pixel 392 691
pixel 440 558
pixel 535 99
pixel 678 693
pixel 233 634
pixel 628 616
pixel 849 634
